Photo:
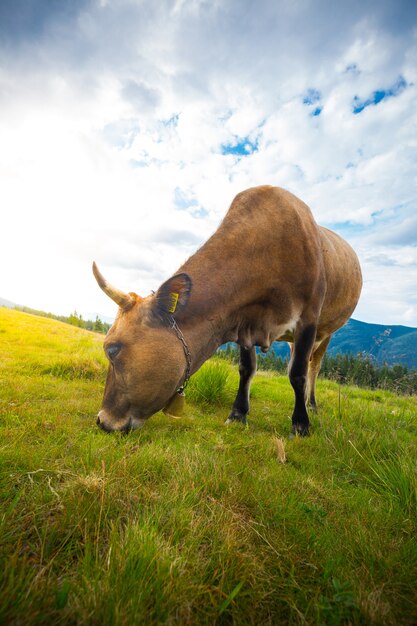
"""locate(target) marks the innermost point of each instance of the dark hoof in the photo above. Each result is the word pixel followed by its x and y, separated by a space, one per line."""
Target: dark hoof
pixel 236 416
pixel 302 430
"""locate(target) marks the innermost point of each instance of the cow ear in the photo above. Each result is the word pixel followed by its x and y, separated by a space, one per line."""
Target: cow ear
pixel 173 295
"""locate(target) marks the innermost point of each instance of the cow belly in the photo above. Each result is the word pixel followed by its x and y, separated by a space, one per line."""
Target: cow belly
pixel 263 336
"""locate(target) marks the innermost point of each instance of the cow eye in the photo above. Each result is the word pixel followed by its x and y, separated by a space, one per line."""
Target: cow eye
pixel 113 350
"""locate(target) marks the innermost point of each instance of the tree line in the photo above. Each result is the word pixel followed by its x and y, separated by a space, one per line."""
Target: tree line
pixel 74 319
pixel 347 369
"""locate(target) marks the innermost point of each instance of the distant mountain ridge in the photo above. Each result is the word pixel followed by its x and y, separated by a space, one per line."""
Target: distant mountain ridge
pixel 386 344
pixel 7 303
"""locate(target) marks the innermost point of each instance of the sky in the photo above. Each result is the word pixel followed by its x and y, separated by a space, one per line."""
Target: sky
pixel 128 126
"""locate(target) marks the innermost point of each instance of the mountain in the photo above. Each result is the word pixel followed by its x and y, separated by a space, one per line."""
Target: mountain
pixel 7 303
pixel 391 344
pixel 91 315
pixel 386 344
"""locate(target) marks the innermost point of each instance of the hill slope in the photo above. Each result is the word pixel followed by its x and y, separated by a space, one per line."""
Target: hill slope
pixel 387 344
pixel 189 521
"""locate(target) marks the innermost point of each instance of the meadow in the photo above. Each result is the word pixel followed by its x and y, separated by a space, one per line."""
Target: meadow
pixel 190 521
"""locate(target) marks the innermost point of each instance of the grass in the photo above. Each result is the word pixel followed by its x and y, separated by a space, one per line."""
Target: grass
pixel 189 521
pixel 209 384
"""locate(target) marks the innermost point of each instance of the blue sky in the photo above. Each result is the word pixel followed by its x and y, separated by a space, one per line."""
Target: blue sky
pixel 127 127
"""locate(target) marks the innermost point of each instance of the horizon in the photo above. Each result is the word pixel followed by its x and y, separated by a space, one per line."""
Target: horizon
pixel 91 315
pixel 126 129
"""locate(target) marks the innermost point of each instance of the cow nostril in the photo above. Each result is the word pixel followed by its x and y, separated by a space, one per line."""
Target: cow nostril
pixel 102 424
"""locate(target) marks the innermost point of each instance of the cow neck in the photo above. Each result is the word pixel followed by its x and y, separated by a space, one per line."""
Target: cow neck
pixel 187 354
pixel 203 337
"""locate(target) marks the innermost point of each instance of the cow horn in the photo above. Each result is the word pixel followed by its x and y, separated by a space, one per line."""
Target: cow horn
pixel 119 297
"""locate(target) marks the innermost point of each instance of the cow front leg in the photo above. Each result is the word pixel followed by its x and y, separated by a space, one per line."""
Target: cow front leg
pixel 247 369
pixel 298 368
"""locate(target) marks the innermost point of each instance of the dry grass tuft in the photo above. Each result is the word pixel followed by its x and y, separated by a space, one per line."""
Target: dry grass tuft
pixel 92 483
pixel 280 449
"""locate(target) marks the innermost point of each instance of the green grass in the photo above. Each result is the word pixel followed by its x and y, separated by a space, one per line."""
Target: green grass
pixel 209 384
pixel 190 521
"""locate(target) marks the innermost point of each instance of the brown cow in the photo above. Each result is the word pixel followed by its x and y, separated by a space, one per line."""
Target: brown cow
pixel 269 273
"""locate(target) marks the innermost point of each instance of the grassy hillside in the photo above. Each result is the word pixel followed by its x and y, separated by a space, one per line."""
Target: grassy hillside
pixel 189 521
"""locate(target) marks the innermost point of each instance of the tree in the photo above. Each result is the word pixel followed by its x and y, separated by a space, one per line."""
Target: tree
pixel 98 325
pixel 76 320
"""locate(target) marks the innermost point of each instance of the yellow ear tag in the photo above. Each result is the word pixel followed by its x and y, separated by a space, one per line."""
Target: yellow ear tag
pixel 175 407
pixel 174 301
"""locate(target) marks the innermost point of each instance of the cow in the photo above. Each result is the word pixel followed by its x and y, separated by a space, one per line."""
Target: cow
pixel 269 273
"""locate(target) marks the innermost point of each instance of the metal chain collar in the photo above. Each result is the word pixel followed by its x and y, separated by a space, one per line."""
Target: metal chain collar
pixel 187 354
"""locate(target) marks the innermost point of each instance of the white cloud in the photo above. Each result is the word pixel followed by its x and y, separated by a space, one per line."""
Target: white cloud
pixel 113 115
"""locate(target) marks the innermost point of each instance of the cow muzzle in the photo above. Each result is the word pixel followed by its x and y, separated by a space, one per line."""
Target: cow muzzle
pixel 110 425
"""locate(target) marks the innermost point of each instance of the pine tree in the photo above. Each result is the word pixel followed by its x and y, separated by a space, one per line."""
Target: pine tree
pixel 98 325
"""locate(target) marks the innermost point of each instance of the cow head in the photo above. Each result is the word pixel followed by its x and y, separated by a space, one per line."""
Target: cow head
pixel 147 363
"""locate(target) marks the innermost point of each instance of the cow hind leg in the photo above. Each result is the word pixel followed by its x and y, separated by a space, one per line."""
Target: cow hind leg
pixel 298 370
pixel 247 369
pixel 313 371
